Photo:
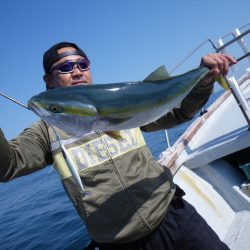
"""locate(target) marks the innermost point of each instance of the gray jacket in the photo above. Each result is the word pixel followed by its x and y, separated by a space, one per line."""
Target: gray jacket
pixel 128 192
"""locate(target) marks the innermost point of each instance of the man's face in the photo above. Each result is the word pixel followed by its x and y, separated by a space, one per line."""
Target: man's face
pixel 56 79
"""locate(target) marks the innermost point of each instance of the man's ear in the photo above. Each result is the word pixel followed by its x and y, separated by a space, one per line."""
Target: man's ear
pixel 49 81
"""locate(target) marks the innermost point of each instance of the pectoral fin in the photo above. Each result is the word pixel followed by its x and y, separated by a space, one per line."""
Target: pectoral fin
pixel 115 135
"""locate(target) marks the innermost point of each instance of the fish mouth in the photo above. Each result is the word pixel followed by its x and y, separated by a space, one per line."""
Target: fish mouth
pixel 32 105
pixel 36 108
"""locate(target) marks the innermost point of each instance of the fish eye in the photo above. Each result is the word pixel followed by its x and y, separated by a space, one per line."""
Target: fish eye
pixel 54 108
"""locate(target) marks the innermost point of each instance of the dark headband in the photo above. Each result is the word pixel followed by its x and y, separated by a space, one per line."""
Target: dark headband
pixel 51 55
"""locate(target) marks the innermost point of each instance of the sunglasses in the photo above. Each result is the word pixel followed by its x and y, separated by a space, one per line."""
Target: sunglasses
pixel 69 67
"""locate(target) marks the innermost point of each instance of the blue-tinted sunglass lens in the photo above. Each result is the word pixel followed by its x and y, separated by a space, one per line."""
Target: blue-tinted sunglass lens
pixel 83 65
pixel 66 67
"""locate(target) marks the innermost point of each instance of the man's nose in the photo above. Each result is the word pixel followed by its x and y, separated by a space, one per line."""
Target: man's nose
pixel 76 70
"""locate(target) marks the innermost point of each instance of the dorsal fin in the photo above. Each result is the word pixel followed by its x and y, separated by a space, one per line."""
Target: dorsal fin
pixel 158 75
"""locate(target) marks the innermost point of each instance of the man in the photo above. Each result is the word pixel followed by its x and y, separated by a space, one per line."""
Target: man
pixel 130 201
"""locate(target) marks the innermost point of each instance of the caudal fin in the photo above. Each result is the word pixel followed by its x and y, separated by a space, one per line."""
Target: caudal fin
pixel 222 82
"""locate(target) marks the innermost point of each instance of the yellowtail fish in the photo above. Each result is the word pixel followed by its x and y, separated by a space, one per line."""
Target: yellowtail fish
pixel 116 106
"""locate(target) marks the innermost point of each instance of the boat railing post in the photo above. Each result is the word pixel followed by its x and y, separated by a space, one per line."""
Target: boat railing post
pixel 220 43
pixel 240 99
pixel 241 42
pixel 234 86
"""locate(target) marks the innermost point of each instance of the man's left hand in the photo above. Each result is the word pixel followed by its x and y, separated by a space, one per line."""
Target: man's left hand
pixel 218 64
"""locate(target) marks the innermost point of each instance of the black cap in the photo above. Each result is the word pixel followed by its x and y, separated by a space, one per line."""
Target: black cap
pixel 51 55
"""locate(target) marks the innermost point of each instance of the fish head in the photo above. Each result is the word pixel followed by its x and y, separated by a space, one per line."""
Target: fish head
pixel 64 109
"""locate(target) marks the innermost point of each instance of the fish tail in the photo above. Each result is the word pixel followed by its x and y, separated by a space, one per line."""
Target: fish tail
pixel 222 82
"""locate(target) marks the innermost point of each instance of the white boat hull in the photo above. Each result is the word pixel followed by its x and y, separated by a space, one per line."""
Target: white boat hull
pixel 212 183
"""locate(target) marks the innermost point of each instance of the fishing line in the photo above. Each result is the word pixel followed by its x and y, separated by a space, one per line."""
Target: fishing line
pixel 191 53
pixel 13 100
pixel 230 33
pixel 24 106
pixel 214 47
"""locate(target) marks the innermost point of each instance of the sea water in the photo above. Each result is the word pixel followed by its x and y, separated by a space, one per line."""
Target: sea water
pixel 37 214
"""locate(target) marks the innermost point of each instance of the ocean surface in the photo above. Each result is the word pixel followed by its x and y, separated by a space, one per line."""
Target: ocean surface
pixel 37 214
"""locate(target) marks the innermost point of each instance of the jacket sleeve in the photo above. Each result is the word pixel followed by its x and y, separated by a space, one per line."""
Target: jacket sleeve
pixel 190 105
pixel 27 153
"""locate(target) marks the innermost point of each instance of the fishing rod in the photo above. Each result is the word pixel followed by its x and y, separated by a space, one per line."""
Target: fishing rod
pixel 222 47
pixel 243 57
pixel 190 54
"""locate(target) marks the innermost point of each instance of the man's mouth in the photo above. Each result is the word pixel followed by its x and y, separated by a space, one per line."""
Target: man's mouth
pixel 79 83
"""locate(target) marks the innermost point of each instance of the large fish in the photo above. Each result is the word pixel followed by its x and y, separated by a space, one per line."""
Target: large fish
pixel 117 106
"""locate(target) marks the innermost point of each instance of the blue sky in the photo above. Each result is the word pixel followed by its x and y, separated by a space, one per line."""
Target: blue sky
pixel 124 39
